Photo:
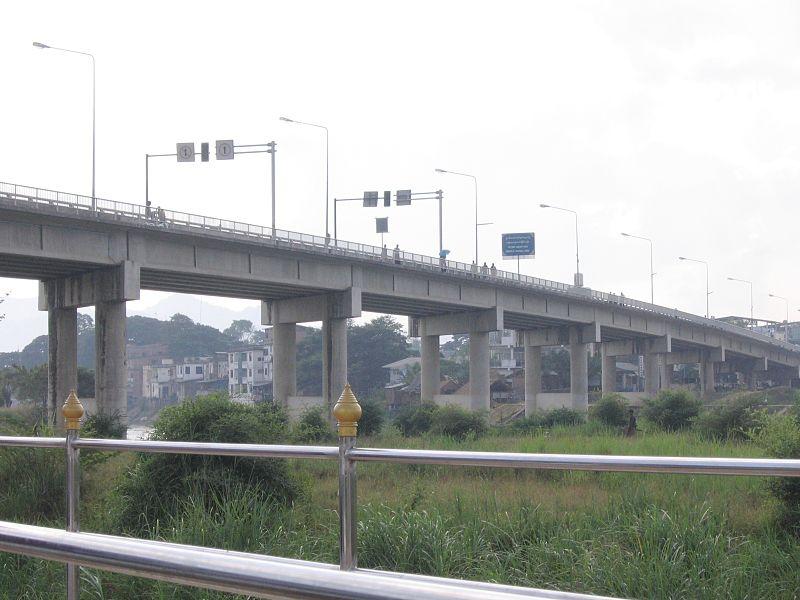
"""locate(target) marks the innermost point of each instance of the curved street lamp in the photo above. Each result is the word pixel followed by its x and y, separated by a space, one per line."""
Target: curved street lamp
pixel 91 56
pixel 578 277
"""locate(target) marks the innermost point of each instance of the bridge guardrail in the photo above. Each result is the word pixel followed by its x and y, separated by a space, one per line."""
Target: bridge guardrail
pixel 251 574
pixel 158 217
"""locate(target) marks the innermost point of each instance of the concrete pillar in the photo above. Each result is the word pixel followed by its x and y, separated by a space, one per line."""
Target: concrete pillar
pixel 430 373
pixel 533 378
pixel 334 360
pixel 284 363
pixel 664 372
pixel 62 364
pixel 578 371
pixel 706 378
pixel 608 375
pixel 479 371
pixel 110 373
pixel 652 382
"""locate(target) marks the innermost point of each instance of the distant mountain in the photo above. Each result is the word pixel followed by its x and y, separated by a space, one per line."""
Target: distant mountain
pixel 24 321
pixel 180 334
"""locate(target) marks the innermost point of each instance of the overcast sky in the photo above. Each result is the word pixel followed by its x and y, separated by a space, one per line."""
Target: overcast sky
pixel 673 120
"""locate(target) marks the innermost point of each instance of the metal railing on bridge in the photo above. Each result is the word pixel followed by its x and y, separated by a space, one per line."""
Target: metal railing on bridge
pixel 76 204
pixel 271 577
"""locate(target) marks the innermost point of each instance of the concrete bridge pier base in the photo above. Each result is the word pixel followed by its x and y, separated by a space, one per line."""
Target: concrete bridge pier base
pixel 479 385
pixel 533 378
pixel 578 371
pixel 652 381
pixel 608 381
pixel 62 365
pixel 430 373
pixel 707 383
pixel 334 360
pixel 284 363
pixel 110 374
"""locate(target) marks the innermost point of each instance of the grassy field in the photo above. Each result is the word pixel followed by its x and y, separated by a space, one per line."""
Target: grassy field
pixel 619 534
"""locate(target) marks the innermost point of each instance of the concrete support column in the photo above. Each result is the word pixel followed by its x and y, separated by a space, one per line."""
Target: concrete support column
pixel 110 373
pixel 664 372
pixel 578 371
pixel 651 374
pixel 608 381
pixel 334 360
pixel 706 378
pixel 62 364
pixel 284 362
pixel 533 378
pixel 479 371
pixel 430 373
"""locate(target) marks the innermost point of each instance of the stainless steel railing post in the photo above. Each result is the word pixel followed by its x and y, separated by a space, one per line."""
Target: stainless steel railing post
pixel 73 411
pixel 347 412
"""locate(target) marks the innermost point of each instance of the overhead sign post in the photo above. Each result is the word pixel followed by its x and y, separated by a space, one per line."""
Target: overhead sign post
pixel 519 245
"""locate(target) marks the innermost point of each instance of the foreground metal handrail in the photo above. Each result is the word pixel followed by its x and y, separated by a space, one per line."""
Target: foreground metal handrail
pixel 585 462
pixel 208 448
pixel 239 572
pixel 67 203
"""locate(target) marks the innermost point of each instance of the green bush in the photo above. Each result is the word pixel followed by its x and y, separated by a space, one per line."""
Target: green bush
pixel 610 410
pixel 779 435
pixel 312 428
pixel 672 410
pixel 105 426
pixel 732 420
pixel 529 423
pixel 157 484
pixel 457 423
pixel 373 416
pixel 415 420
pixel 565 417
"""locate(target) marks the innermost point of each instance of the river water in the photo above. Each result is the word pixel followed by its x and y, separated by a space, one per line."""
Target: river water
pixel 139 432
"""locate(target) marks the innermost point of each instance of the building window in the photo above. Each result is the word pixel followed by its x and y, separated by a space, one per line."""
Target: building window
pixel 198 370
pixel 249 372
pixel 187 370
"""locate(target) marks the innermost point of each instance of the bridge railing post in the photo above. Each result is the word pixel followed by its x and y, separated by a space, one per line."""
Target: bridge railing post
pixel 347 412
pixel 73 411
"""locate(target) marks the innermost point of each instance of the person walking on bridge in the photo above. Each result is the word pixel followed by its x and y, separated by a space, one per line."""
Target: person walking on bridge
pixel 485 270
pixel 397 254
pixel 493 270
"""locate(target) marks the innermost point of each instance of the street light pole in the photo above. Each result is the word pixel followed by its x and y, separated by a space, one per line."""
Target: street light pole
pixel 578 277
pixel 786 301
pixel 327 170
pixel 91 56
pixel 708 293
pixel 750 283
pixel 652 274
pixel 474 181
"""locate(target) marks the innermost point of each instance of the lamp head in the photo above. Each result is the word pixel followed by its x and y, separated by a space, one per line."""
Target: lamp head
pixel 287 119
pixel 440 170
pixel 40 45
pixel 626 234
pixel 681 258
pixel 544 206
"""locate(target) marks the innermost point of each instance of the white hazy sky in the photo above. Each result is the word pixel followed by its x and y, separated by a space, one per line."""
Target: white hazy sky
pixel 673 120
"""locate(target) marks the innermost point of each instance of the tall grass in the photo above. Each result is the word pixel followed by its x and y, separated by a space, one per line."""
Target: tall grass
pixel 620 534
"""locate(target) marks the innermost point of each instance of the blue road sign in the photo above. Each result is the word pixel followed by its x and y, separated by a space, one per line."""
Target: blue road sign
pixel 519 245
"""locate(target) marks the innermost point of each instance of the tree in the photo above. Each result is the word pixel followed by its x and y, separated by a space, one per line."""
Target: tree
pixel 369 347
pixel 241 330
pixel 3 299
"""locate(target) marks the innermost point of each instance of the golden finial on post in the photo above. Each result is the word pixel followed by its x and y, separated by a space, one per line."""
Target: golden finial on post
pixel 72 411
pixel 347 411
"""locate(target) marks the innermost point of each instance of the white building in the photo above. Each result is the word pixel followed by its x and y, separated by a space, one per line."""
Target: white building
pixel 249 372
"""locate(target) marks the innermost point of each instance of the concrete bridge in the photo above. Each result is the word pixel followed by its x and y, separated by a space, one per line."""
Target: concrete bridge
pixel 105 257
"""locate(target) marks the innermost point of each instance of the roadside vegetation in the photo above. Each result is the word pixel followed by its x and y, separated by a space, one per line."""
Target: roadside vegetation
pixel 618 534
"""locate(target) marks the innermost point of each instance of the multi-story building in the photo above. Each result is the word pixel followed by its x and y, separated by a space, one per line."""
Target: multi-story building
pixel 249 372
